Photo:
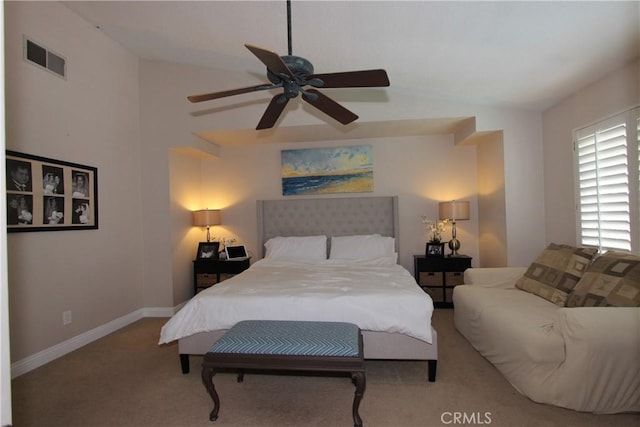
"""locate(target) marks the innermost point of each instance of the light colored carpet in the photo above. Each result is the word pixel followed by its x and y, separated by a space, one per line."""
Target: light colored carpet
pixel 126 379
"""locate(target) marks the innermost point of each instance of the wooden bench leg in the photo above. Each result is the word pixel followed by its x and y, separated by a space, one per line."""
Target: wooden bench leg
pixel 431 367
pixel 207 380
pixel 359 380
pixel 184 363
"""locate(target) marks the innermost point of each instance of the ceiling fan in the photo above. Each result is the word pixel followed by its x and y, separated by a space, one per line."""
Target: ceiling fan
pixel 293 73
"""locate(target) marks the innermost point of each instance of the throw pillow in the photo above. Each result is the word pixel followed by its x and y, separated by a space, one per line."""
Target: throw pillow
pixel 556 272
pixel 613 280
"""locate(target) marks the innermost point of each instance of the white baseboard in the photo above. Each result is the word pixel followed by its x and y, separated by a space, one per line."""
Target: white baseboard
pixel 47 355
pixel 159 311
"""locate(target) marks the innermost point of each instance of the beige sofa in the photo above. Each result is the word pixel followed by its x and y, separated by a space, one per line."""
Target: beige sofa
pixel 582 358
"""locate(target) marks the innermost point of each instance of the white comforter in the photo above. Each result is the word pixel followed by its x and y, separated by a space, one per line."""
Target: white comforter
pixel 374 294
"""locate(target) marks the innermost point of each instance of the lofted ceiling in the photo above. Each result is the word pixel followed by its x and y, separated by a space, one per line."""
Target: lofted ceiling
pixel 523 55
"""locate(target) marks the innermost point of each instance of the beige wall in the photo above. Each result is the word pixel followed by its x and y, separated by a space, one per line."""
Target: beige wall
pixel 417 169
pixel 615 93
pixel 492 214
pixel 185 189
pixel 172 120
pixel 91 118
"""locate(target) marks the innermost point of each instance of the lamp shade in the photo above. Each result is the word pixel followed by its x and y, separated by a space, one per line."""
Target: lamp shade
pixel 207 217
pixel 454 210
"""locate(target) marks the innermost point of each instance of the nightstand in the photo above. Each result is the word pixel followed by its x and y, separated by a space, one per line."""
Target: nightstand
pixel 206 272
pixel 437 276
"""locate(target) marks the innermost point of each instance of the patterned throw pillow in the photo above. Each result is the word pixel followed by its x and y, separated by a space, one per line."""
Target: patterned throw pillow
pixel 556 272
pixel 613 280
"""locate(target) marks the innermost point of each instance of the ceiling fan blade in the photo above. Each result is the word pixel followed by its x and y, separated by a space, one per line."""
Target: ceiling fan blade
pixel 272 60
pixel 329 106
pixel 273 111
pixel 216 95
pixel 365 78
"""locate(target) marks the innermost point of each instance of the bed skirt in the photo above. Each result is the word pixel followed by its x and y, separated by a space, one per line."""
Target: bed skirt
pixel 377 345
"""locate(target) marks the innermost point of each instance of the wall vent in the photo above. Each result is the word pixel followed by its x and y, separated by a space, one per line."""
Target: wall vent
pixel 45 58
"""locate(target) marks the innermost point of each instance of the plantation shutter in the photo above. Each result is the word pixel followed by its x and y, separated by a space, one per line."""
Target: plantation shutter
pixel 603 202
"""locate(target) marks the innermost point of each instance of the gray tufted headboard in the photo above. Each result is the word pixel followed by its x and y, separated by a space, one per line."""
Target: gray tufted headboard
pixel 331 217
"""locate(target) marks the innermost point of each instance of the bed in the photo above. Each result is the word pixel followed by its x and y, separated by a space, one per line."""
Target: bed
pixel 400 328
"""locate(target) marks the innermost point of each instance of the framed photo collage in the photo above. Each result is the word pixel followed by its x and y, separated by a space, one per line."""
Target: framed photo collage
pixel 48 195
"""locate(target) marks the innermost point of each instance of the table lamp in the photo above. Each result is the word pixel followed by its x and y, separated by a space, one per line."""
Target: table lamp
pixel 207 218
pixel 454 211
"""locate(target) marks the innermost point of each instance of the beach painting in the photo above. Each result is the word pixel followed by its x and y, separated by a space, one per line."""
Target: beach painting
pixel 315 171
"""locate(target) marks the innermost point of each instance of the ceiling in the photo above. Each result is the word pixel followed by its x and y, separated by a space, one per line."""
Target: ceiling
pixel 525 55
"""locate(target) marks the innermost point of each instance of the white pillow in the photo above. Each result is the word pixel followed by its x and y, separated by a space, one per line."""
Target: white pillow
pixel 298 247
pixel 366 246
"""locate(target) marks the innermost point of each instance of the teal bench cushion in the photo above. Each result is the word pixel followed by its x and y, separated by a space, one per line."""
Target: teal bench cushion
pixel 284 337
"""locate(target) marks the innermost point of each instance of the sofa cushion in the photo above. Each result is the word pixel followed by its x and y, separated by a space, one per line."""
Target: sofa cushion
pixel 613 280
pixel 556 272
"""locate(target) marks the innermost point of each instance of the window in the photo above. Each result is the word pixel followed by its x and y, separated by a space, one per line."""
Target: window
pixel 607 167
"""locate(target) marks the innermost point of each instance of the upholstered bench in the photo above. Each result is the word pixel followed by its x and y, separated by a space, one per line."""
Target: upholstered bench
pixel 275 345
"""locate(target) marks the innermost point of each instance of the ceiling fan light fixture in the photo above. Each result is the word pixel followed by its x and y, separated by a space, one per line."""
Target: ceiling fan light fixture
pixel 292 73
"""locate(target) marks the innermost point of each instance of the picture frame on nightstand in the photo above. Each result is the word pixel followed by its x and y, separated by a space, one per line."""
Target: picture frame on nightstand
pixel 434 250
pixel 208 250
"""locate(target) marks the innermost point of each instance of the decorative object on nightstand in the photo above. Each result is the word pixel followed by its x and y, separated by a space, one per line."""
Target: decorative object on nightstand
pixel 236 252
pixel 437 276
pixel 207 218
pixel 208 250
pixel 454 211
pixel 434 247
